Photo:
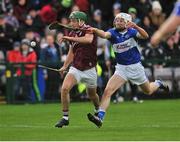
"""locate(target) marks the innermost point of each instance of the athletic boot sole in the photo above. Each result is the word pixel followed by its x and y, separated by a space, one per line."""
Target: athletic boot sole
pixel 94 120
pixel 62 123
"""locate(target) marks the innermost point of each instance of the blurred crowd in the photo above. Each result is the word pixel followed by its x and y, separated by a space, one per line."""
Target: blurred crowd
pixel 25 37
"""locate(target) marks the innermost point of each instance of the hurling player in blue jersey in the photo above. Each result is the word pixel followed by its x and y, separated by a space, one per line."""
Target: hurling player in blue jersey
pixel 128 58
pixel 168 26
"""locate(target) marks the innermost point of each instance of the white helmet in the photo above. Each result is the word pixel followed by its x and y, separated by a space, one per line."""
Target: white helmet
pixel 124 16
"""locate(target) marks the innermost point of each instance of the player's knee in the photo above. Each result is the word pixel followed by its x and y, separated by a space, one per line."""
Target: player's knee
pixel 65 90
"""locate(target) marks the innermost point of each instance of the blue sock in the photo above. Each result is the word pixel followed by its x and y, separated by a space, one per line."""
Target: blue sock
pixel 158 83
pixel 101 114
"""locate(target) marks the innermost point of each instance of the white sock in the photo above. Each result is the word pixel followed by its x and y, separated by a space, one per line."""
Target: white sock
pixel 66 117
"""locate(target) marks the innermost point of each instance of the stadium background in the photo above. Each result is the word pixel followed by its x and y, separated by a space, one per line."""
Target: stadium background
pixel 23 82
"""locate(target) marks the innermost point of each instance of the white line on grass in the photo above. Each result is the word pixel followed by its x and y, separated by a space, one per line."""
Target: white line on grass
pixel 39 126
pixel 81 126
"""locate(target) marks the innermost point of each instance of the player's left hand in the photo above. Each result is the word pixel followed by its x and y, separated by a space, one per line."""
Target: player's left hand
pixel 131 25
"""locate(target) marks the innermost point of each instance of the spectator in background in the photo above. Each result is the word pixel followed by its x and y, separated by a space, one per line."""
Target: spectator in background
pixel 50 56
pixel 27 55
pixel 36 4
pixel 133 12
pixel 21 10
pixel 127 3
pixel 12 55
pixel 48 14
pixel 146 25
pixel 51 52
pixel 156 15
pixel 167 6
pixel 172 47
pixel 34 43
pixel 11 19
pixel 6 6
pixel 7 35
pixel 30 35
pixel 83 5
pixel 27 25
pixel 150 53
pixel 105 6
pixel 37 24
pixel 116 8
pixel 64 20
pixel 97 20
pixel 143 7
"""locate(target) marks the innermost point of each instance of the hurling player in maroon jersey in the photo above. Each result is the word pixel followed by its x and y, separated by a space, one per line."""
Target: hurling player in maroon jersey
pixel 82 57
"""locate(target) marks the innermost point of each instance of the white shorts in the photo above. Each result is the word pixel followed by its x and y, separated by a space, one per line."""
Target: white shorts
pixel 134 73
pixel 89 77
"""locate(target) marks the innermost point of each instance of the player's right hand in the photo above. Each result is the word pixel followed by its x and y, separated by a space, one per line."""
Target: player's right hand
pixel 62 70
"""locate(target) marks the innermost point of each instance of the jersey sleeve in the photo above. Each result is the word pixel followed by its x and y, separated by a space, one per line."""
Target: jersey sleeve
pixel 133 32
pixel 176 10
pixel 112 34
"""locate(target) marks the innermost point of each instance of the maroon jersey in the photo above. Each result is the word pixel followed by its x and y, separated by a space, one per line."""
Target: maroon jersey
pixel 84 54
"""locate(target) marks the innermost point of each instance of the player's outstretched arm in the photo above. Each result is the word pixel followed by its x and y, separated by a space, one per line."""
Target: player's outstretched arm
pixel 142 33
pixel 167 27
pixel 101 33
pixel 87 39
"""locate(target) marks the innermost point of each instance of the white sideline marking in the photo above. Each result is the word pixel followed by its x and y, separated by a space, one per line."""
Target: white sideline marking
pixel 23 126
pixel 81 126
pixel 37 126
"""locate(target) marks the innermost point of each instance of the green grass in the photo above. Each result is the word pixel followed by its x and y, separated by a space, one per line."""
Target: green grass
pixel 151 120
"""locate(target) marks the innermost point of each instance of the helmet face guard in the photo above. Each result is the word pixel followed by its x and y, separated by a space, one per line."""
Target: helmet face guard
pixel 127 18
pixel 124 16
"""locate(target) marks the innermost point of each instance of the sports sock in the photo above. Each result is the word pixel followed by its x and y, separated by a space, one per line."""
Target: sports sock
pixel 66 114
pixel 101 114
pixel 158 83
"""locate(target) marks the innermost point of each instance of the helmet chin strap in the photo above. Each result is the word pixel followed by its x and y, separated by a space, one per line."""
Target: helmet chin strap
pixel 81 23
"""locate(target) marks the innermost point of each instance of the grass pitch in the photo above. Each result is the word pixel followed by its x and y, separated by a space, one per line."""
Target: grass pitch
pixel 151 120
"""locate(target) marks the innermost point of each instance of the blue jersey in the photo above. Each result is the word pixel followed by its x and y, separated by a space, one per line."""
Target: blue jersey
pixel 176 10
pixel 125 47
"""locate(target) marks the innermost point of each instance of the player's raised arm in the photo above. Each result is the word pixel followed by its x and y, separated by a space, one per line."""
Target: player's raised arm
pixel 141 32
